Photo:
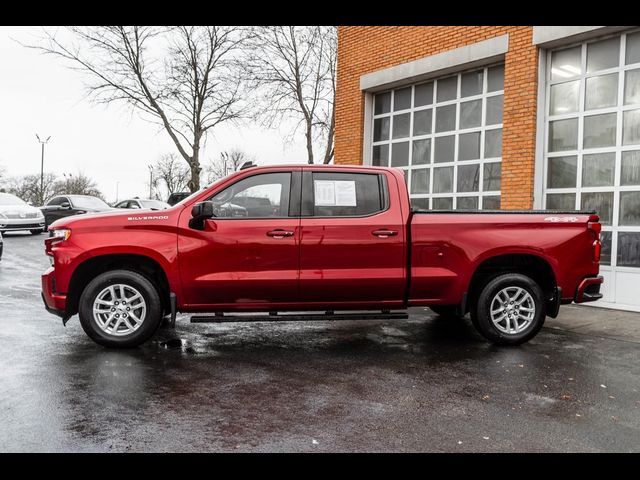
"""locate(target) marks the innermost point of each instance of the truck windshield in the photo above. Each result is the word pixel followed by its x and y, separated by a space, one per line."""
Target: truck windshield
pixel 89 202
pixel 8 199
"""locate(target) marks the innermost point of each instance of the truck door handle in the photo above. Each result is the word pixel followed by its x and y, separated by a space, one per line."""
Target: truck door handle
pixel 279 233
pixel 384 233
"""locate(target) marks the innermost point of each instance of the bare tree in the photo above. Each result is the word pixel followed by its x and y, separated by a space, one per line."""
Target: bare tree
pixel 27 187
pixel 188 87
pixel 78 184
pixel 169 175
pixel 293 69
pixel 228 163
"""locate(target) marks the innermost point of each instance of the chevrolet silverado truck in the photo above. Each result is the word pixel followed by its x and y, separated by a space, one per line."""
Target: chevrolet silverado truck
pixel 284 240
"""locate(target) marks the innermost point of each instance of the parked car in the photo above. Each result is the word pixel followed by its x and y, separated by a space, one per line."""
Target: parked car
pixel 143 204
pixel 16 214
pixel 177 197
pixel 338 238
pixel 68 205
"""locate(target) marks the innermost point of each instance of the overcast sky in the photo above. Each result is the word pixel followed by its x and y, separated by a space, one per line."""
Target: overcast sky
pixel 38 94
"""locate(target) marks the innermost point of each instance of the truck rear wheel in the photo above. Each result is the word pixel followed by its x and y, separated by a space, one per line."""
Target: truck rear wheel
pixel 510 309
pixel 120 309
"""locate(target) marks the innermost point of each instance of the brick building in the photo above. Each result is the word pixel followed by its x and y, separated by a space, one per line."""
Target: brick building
pixel 483 117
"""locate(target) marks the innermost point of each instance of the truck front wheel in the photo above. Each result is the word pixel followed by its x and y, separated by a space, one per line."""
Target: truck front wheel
pixel 120 309
pixel 510 309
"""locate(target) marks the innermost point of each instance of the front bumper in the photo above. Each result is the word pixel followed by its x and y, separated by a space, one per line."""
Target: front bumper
pixel 54 302
pixel 589 290
pixel 10 224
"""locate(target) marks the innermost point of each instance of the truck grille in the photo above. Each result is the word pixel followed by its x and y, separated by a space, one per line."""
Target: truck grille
pixel 17 216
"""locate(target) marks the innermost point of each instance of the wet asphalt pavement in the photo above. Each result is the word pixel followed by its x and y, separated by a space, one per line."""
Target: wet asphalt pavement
pixel 423 384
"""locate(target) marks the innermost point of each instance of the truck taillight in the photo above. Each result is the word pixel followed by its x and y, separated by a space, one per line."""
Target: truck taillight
pixel 597 246
pixel 596 227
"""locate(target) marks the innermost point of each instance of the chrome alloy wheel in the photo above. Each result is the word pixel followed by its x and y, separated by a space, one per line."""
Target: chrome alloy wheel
pixel 119 310
pixel 512 310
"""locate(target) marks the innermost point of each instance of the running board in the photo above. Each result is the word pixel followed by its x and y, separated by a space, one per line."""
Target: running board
pixel 275 317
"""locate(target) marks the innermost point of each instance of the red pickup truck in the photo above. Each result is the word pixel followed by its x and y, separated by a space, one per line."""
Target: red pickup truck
pixel 317 239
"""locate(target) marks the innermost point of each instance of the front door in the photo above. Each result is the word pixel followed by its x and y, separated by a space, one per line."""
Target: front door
pixel 352 249
pixel 247 255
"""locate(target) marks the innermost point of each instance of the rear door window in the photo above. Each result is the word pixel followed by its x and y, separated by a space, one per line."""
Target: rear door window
pixel 343 194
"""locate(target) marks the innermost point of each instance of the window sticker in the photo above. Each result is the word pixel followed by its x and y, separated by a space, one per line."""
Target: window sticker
pixel 335 193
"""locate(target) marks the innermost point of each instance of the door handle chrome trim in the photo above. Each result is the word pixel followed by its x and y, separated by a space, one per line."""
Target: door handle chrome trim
pixel 384 233
pixel 279 233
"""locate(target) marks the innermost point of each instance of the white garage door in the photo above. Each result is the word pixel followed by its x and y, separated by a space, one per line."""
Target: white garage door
pixel 592 150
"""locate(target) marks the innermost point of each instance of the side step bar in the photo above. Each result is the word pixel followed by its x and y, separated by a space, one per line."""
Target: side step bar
pixel 304 317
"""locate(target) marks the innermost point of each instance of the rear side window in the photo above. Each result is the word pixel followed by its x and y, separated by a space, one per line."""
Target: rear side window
pixel 57 201
pixel 347 194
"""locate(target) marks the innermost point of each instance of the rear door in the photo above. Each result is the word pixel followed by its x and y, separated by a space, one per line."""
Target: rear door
pixel 247 255
pixel 352 248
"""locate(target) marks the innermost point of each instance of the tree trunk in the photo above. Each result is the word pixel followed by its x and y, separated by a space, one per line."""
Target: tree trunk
pixel 309 135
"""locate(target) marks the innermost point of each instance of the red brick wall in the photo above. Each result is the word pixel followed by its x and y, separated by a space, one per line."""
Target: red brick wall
pixel 364 49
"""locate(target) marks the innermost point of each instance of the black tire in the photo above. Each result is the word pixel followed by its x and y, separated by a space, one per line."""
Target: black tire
pixel 36 232
pixel 150 323
pixel 481 313
pixel 447 311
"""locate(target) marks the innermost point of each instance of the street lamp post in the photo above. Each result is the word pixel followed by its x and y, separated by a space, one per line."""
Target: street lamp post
pixel 150 180
pixel 42 143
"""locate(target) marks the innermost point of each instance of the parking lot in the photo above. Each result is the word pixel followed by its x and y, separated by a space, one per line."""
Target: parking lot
pixel 423 384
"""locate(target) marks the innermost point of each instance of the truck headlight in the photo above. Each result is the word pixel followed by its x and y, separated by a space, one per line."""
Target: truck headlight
pixel 61 234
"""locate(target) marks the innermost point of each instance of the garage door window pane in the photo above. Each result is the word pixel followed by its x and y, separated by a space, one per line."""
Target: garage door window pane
pixel 632 87
pixel 562 172
pixel 383 103
pixel 422 122
pixel 630 171
pixel 566 63
pixel 446 118
pixel 561 201
pixel 601 202
pixel 491 176
pixel 631 127
pixel 468 178
pixel 598 169
pixel 630 208
pixel 471 83
pixel 471 114
pixel 423 94
pixel 381 129
pixel 400 154
pixel 633 49
pixel 420 203
pixel 564 98
pixel 443 180
pixel 495 78
pixel 380 156
pixel 563 135
pixel 421 152
pixel 401 125
pixel 469 146
pixel 444 203
pixel 602 91
pixel 603 55
pixel 628 249
pixel 605 251
pixel 467 203
pixel 402 99
pixel 447 89
pixel 444 149
pixel 600 130
pixel 420 181
pixel 493 143
pixel 491 202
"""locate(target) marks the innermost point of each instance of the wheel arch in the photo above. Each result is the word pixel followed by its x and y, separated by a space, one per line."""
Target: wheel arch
pixel 533 265
pixel 142 264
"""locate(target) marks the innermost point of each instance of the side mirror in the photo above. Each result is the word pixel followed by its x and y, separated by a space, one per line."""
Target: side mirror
pixel 199 213
pixel 65 205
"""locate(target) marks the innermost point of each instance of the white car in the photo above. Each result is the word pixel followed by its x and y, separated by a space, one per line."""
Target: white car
pixel 16 214
pixel 143 204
